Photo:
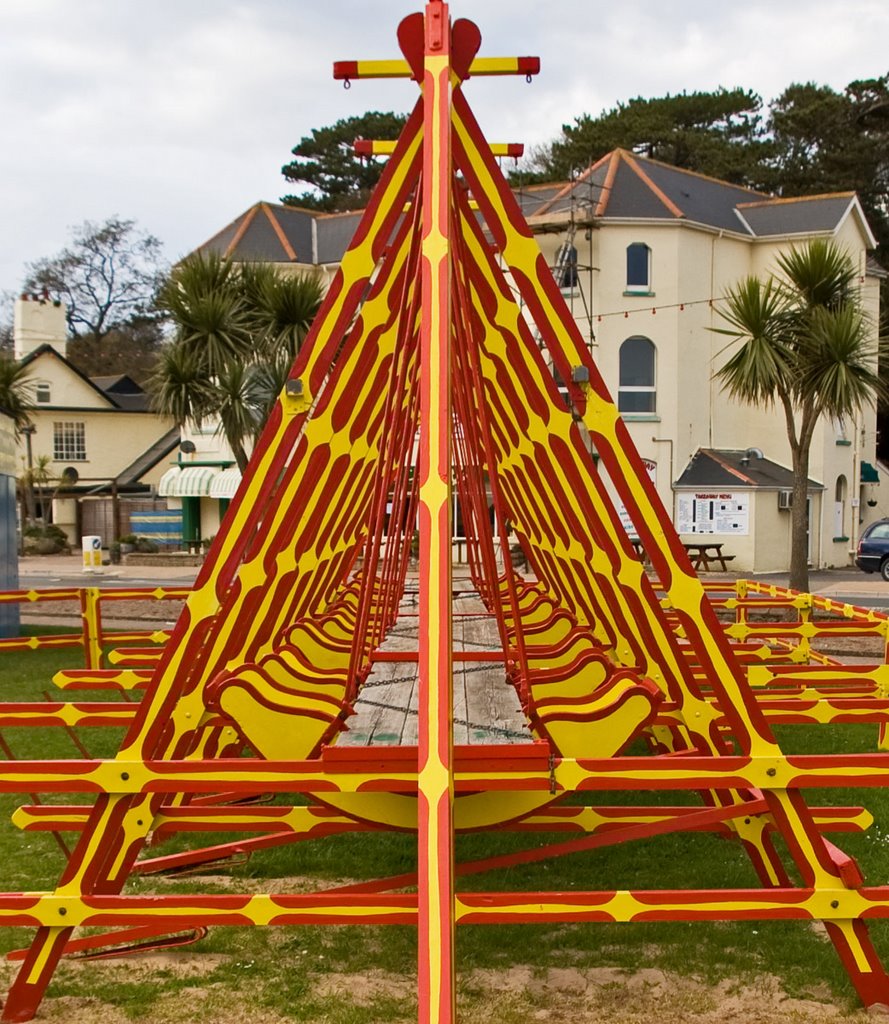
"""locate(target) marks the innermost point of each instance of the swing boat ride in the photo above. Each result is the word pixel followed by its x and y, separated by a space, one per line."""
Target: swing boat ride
pixel 444 362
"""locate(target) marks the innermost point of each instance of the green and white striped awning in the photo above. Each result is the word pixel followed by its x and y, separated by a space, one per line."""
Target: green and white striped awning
pixel 226 483
pixel 186 482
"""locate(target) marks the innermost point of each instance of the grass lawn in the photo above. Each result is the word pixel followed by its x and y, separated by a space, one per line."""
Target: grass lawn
pixel 358 975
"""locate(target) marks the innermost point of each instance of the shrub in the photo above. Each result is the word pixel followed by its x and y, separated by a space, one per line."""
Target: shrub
pixel 45 540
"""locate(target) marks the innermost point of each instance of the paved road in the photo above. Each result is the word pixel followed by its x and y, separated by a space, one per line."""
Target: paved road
pixel 848 585
pixel 67 571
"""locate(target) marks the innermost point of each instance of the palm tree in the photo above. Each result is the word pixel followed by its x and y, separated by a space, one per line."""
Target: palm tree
pixel 15 392
pixel 206 300
pixel 38 477
pixel 237 408
pixel 807 346
pixel 238 329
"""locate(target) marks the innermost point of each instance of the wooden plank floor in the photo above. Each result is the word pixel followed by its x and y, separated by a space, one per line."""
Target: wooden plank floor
pixel 486 706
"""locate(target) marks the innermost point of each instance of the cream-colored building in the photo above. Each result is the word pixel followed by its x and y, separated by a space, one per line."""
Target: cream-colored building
pixel 644 252
pixel 99 433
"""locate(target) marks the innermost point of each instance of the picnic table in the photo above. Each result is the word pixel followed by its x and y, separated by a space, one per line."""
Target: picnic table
pixel 707 556
pixel 704 555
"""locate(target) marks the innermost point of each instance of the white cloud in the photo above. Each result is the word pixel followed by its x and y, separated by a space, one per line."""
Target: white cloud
pixel 181 114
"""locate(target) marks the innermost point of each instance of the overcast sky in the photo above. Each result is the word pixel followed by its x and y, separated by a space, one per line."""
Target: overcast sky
pixel 180 113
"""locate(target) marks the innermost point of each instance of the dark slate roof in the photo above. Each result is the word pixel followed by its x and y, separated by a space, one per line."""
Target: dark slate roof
pixel 139 402
pixel 116 382
pixel 620 186
pixel 631 195
pixel 794 216
pixel 276 234
pixel 282 234
pixel 711 467
pixel 296 226
pixel 335 231
pixel 150 457
pixel 873 269
pixel 624 185
pixel 532 197
pixel 123 391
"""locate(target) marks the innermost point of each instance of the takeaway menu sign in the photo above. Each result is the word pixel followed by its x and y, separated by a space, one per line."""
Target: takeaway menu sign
pixel 713 512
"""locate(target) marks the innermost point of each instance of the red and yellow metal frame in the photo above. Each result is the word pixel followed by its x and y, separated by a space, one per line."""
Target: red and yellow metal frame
pixel 422 375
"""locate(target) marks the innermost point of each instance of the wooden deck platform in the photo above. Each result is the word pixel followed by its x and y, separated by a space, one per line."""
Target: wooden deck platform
pixel 486 707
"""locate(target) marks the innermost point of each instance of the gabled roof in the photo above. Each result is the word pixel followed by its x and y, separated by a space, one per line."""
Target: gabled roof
pixel 121 383
pixel 119 390
pixel 803 215
pixel 48 350
pixel 124 392
pixel 724 468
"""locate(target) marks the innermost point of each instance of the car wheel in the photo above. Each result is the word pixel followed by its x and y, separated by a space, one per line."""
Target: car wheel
pixel 884 569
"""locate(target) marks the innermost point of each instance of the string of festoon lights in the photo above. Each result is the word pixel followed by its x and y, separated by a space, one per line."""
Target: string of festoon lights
pixel 654 310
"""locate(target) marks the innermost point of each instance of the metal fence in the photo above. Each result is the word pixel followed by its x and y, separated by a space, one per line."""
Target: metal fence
pixel 93 638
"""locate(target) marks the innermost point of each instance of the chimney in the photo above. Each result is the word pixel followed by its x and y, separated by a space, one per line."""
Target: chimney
pixel 39 320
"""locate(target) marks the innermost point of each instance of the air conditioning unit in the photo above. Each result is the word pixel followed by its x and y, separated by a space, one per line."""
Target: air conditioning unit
pixel 785 500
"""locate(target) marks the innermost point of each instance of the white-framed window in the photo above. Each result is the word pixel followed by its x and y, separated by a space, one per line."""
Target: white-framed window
pixel 636 391
pixel 638 267
pixel 42 392
pixel 68 441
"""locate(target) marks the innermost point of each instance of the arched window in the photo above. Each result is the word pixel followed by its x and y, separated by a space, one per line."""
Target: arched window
pixel 636 387
pixel 638 267
pixel 565 267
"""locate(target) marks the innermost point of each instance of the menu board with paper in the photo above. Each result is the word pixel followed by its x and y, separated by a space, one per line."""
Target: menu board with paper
pixel 713 512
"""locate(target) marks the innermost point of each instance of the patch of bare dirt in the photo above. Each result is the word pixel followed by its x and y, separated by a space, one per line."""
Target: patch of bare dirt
pixel 514 995
pixel 607 995
pixel 73 1010
pixel 236 883
pixel 852 648
pixel 364 989
pixel 93 1011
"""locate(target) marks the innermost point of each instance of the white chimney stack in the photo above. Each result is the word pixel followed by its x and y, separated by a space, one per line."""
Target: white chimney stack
pixel 38 320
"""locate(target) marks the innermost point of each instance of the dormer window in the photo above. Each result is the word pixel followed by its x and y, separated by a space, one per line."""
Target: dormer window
pixel 42 393
pixel 638 267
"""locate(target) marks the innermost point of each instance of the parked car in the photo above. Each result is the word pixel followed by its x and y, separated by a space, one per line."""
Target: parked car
pixel 873 549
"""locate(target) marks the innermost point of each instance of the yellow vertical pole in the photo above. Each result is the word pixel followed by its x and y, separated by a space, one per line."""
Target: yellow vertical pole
pixel 92 626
